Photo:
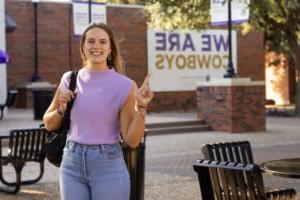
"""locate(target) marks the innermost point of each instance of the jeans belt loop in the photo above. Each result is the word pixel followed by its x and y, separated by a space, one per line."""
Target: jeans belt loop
pixel 102 148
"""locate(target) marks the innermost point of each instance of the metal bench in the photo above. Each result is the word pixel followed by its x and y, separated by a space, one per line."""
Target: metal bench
pixel 25 145
pixel 10 99
pixel 238 151
pixel 235 181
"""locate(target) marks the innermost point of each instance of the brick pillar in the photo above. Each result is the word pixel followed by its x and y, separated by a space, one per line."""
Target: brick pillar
pixel 234 105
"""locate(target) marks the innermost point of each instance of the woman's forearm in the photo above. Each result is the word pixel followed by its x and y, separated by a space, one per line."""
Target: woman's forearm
pixel 52 120
pixel 136 130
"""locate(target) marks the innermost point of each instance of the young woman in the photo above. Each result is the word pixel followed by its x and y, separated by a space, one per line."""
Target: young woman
pixel 107 104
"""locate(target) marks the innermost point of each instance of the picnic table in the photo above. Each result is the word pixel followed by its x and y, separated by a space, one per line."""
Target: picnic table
pixel 288 167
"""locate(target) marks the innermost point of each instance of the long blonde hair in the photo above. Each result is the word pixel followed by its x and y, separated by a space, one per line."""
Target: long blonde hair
pixel 116 60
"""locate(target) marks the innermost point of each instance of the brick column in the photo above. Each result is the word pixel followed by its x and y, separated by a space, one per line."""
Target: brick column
pixel 234 105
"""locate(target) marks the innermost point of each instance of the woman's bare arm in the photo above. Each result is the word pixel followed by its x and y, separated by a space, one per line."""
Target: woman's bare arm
pixel 54 114
pixel 132 120
pixel 133 113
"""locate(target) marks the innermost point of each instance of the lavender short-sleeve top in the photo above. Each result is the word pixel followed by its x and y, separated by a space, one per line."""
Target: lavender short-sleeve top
pixel 100 96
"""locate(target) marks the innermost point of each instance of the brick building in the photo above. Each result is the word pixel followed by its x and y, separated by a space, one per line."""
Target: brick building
pixel 58 49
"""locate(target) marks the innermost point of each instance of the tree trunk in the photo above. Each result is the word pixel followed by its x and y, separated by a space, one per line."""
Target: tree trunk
pixel 295 52
pixel 296 55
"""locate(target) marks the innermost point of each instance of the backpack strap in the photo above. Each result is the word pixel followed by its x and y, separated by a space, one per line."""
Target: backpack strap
pixel 72 87
pixel 65 126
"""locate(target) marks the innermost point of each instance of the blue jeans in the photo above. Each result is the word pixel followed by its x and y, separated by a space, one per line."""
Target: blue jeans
pixel 93 172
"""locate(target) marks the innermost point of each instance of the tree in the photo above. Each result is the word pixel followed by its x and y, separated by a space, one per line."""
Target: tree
pixel 278 19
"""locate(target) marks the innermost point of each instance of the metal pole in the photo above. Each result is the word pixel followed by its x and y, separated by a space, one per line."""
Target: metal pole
pixel 90 11
pixel 230 70
pixel 35 76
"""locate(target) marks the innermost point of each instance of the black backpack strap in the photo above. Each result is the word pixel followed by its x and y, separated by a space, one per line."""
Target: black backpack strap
pixel 65 126
pixel 72 87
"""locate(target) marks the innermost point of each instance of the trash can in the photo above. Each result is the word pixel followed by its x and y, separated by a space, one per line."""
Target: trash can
pixel 135 162
pixel 42 98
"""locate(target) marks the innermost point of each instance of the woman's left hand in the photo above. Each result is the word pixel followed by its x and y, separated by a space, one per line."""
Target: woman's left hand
pixel 144 94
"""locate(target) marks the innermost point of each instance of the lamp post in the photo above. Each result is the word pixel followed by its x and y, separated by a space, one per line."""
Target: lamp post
pixel 35 77
pixel 230 70
pixel 90 11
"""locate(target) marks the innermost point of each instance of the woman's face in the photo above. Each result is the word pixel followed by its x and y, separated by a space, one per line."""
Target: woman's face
pixel 96 47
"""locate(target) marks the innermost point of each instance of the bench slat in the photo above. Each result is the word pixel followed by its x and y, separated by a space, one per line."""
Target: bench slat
pixel 27 143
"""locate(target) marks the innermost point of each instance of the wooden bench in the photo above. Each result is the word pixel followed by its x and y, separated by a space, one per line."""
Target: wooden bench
pixel 25 145
pixel 235 181
pixel 10 99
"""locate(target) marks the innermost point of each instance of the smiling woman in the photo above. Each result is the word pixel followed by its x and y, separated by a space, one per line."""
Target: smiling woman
pixel 107 106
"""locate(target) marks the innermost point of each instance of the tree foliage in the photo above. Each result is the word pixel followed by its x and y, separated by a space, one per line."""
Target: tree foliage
pixel 178 14
pixel 278 19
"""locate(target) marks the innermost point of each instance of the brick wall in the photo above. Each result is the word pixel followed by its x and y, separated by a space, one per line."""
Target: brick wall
pixel 59 49
pixel 251 53
pixel 235 109
pixel 19 43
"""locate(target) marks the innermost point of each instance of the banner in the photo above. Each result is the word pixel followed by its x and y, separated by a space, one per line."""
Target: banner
pixel 3 79
pixel 178 60
pixel 81 15
pixel 219 11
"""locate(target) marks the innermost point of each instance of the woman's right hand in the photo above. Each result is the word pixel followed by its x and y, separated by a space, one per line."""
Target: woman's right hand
pixel 64 97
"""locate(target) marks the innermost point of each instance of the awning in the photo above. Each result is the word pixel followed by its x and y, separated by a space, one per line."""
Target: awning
pixel 10 23
pixel 4 58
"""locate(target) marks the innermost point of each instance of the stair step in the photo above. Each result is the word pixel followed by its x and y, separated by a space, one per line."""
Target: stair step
pixel 178 129
pixel 175 124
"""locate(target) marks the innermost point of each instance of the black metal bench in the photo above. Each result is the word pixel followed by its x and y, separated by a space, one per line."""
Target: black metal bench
pixel 25 145
pixel 237 151
pixel 10 99
pixel 235 181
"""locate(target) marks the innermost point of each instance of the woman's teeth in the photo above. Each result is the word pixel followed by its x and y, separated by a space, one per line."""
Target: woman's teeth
pixel 96 53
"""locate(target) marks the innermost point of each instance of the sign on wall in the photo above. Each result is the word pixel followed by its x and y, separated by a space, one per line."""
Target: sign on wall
pixel 178 60
pixel 219 11
pixel 81 15
pixel 3 83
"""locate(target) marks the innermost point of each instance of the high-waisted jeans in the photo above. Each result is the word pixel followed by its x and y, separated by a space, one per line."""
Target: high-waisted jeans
pixel 93 172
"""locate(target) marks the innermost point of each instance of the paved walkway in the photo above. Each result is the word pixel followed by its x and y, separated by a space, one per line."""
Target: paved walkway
pixel 169 173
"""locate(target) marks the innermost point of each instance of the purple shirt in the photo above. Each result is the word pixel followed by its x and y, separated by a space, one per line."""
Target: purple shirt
pixel 95 112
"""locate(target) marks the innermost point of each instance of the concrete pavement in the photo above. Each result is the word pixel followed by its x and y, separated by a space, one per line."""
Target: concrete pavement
pixel 169 173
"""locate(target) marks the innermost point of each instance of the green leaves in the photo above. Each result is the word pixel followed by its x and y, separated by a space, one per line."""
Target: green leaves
pixel 179 15
pixel 278 19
